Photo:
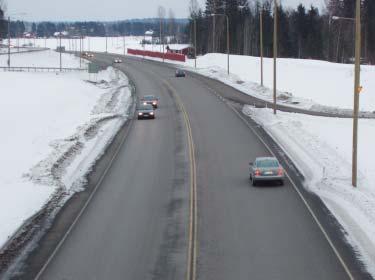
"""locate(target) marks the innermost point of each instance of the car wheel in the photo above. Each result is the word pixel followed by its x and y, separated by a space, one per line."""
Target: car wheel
pixel 281 183
pixel 254 183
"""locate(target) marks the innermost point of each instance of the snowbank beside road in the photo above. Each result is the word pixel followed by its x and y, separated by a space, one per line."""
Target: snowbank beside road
pixel 54 127
pixel 321 148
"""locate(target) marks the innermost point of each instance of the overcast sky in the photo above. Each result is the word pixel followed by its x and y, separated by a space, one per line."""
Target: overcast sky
pixel 58 10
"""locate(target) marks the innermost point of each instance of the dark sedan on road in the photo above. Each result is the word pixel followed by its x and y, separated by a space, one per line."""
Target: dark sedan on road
pixel 150 100
pixel 180 73
pixel 266 169
pixel 145 112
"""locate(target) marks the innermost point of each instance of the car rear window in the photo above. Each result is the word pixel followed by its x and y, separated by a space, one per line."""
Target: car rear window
pixel 145 107
pixel 149 97
pixel 267 163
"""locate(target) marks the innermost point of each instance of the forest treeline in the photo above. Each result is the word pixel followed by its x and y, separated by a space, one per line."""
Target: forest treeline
pixel 304 32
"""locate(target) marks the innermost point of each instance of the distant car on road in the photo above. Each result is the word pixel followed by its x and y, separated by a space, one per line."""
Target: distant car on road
pixel 180 73
pixel 266 169
pixel 90 55
pixel 145 112
pixel 117 60
pixel 150 100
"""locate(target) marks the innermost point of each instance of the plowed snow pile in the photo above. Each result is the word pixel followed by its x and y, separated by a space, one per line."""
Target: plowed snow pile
pixel 53 129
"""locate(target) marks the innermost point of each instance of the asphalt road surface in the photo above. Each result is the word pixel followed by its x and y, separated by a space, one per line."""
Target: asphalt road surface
pixel 137 225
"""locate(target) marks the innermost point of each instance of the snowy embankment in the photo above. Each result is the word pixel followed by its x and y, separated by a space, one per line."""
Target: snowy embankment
pixel 321 149
pixel 54 127
pixel 308 84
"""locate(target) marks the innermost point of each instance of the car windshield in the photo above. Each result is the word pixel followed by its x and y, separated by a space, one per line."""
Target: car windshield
pixel 267 163
pixel 149 97
pixel 145 107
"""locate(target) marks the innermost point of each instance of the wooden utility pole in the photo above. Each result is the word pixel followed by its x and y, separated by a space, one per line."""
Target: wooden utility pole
pixel 261 46
pixel 275 58
pixel 357 90
pixel 213 28
pixel 228 37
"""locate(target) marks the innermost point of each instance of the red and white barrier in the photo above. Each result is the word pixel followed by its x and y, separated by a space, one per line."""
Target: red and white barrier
pixel 169 56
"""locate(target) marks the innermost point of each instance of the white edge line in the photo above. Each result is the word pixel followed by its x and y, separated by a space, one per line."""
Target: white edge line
pixel 43 269
pixel 297 190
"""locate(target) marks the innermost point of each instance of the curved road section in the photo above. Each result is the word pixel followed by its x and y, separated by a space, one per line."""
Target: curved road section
pixel 139 224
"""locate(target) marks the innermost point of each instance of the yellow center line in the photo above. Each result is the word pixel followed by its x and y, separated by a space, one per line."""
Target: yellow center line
pixel 193 212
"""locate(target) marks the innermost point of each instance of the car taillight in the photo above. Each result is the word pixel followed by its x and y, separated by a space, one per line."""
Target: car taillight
pixel 257 172
pixel 280 172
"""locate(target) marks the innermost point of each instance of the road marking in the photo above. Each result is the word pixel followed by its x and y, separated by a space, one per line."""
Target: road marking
pixel 193 212
pixel 315 218
pixel 55 251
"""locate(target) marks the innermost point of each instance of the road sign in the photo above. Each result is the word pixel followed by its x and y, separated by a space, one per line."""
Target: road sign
pixel 94 68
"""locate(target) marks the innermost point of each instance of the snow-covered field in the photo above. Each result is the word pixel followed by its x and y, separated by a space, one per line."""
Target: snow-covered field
pixel 321 148
pixel 54 126
pixel 308 84
pixel 40 59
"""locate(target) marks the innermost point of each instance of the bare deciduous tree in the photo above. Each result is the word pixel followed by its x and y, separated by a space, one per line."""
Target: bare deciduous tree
pixel 161 15
pixel 193 8
pixel 172 24
pixel 161 12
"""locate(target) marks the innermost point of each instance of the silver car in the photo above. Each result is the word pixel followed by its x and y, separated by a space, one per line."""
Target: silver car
pixel 266 169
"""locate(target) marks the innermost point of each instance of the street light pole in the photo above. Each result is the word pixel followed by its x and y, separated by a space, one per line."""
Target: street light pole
pixel 357 90
pixel 8 42
pixel 124 43
pixel 195 42
pixel 161 36
pixel 261 46
pixel 227 42
pixel 60 53
pixel 80 49
pixel 106 42
pixel 275 58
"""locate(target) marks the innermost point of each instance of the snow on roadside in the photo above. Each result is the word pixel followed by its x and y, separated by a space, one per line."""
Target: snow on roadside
pixel 46 58
pixel 321 148
pixel 54 127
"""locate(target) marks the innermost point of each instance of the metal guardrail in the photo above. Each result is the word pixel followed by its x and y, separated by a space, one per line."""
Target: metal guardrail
pixel 40 69
pixel 24 51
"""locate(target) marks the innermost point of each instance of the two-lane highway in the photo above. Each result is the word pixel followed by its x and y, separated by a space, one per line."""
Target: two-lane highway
pixel 137 225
